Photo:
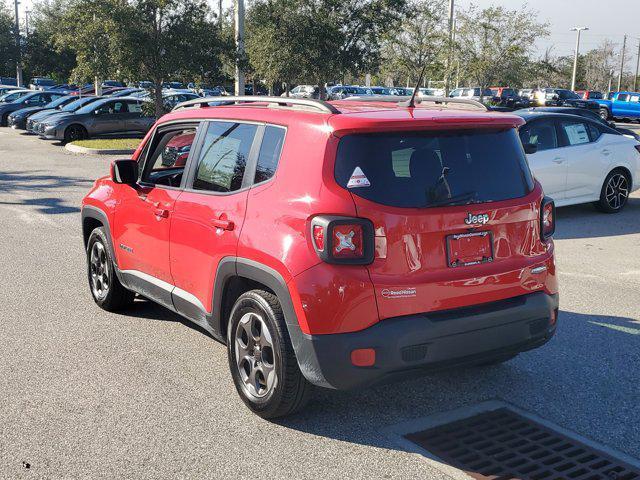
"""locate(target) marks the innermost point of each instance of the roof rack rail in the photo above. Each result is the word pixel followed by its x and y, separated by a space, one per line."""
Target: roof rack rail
pixel 403 100
pixel 319 105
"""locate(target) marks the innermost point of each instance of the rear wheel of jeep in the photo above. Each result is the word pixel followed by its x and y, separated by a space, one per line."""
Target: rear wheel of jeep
pixel 106 289
pixel 261 358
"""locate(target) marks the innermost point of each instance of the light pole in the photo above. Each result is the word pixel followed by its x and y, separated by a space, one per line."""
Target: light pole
pixel 624 47
pixel 575 58
pixel 239 20
pixel 18 48
pixel 450 48
pixel 635 79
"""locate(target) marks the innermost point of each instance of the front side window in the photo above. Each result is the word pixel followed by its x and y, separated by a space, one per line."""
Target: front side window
pixel 623 97
pixel 224 156
pixel 269 153
pixel 542 134
pixel 168 156
pixel 431 169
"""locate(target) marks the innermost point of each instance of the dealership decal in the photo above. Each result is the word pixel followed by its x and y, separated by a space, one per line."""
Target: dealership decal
pixel 399 292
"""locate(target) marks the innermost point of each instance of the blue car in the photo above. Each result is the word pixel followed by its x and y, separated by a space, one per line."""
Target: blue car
pixel 622 105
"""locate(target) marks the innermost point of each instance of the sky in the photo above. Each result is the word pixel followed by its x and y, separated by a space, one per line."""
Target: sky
pixel 605 19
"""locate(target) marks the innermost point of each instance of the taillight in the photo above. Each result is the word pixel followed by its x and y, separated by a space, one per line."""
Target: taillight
pixel 318 237
pixel 343 240
pixel 547 218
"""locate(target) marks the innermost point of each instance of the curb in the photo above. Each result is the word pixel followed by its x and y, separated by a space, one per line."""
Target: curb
pixel 96 151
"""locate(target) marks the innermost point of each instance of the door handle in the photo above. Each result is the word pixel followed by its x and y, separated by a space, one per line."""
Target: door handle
pixel 161 213
pixel 223 224
pixel 606 152
pixel 558 160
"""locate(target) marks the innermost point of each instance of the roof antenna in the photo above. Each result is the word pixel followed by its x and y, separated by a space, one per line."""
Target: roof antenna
pixel 411 103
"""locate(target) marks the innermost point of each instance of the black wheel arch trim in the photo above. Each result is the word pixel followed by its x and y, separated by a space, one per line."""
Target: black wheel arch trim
pixel 250 269
pixel 95 213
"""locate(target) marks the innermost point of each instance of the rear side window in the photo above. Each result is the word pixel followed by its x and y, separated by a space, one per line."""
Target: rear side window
pixel 575 132
pixel 429 169
pixel 269 153
pixel 224 155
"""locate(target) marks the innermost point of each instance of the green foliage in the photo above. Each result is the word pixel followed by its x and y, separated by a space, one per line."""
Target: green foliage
pixel 312 40
pixel 7 43
pixel 494 44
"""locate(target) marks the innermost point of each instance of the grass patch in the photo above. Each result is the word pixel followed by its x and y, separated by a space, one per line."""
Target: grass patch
pixel 110 143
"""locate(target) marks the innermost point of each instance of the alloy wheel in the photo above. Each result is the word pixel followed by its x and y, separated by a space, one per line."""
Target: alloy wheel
pixel 617 191
pixel 254 354
pixel 99 271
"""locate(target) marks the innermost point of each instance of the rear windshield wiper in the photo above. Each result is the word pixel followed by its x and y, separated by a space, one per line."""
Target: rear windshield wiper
pixel 460 199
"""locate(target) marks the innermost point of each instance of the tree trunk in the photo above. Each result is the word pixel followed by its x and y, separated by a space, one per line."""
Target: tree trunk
pixel 157 97
pixel 322 93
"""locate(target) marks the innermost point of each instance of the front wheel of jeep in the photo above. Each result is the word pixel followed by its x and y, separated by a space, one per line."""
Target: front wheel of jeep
pixel 261 357
pixel 106 289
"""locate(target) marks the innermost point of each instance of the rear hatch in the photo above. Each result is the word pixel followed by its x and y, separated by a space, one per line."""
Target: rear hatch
pixel 455 213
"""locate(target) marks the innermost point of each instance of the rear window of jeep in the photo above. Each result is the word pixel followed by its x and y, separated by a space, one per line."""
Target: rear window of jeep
pixel 431 169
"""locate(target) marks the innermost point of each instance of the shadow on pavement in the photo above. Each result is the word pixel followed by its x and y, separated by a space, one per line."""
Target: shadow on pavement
pixel 585 379
pixel 28 183
pixel 584 221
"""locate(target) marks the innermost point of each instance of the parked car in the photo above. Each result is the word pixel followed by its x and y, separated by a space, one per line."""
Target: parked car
pixel 581 112
pixel 209 91
pixel 127 92
pixel 4 89
pixel 623 105
pixel 41 83
pixel 508 97
pixel 105 116
pixel 84 91
pixel 578 160
pixel 526 93
pixel 472 93
pixel 560 97
pixel 31 99
pixel 33 122
pixel 407 257
pixel 145 84
pixel 590 94
pixel 304 91
pixel 341 92
pixel 113 83
pixel 18 119
pixel 431 92
pixel 172 98
pixel 8 81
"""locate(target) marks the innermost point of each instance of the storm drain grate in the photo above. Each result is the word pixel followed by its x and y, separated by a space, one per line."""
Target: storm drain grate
pixel 502 445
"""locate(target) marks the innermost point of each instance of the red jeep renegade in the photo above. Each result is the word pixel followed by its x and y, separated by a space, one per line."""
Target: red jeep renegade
pixel 335 244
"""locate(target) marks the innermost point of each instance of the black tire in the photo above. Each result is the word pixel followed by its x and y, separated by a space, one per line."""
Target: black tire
pixel 106 289
pixel 267 396
pixel 604 114
pixel 74 132
pixel 498 360
pixel 615 192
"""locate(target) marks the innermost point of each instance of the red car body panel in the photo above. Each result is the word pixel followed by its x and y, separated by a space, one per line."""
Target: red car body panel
pixel 185 248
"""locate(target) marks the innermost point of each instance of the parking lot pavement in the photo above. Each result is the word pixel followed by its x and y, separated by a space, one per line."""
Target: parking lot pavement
pixel 89 394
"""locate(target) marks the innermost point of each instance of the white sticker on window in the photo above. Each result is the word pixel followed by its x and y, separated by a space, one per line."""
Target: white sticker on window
pixel 358 179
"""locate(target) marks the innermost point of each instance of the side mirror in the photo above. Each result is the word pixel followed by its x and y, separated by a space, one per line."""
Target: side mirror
pixel 124 172
pixel 530 148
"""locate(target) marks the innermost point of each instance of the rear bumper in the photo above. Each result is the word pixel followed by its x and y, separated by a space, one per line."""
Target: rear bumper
pixel 406 346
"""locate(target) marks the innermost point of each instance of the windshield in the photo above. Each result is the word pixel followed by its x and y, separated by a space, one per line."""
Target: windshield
pixel 567 94
pixel 57 102
pixel 91 107
pixel 12 97
pixel 76 104
pixel 428 169
pixel 596 95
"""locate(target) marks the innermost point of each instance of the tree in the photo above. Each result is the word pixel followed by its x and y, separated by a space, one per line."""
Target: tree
pixel 158 40
pixel 317 40
pixel 421 40
pixel 7 42
pixel 87 28
pixel 494 44
pixel 41 56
